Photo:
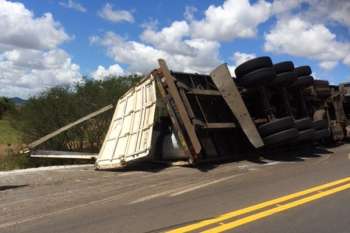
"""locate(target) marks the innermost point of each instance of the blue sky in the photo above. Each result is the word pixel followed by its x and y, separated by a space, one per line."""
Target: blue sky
pixel 102 38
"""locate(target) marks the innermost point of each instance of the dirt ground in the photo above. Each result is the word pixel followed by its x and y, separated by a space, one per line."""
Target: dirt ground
pixel 4 148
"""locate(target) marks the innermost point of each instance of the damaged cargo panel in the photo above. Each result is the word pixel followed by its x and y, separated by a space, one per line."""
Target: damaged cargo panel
pixel 130 133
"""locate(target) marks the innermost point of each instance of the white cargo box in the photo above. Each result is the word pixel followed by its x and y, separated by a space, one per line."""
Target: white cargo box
pixel 130 133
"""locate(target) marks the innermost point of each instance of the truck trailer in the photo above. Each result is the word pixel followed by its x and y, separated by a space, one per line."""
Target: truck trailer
pixel 191 117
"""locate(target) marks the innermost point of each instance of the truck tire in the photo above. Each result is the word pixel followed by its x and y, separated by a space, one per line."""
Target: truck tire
pixel 303 70
pixel 319 124
pixel 284 79
pixel 276 126
pixel 258 77
pixel 303 81
pixel 306 135
pixel 283 67
pixel 322 133
pixel 251 65
pixel 281 136
pixel 303 123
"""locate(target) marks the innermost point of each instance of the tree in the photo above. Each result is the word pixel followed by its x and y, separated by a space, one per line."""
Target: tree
pixel 5 106
pixel 59 106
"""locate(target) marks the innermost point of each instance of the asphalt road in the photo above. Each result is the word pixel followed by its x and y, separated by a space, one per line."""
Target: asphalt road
pixel 212 198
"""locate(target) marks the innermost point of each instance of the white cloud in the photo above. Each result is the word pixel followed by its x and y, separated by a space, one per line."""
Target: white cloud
pixel 73 5
pixel 328 65
pixel 341 12
pixel 239 57
pixel 19 28
pixel 328 10
pixel 320 11
pixel 347 60
pixel 231 68
pixel 139 57
pixel 189 12
pixel 151 23
pixel 235 18
pixel 203 60
pixel 283 6
pixel 169 38
pixel 143 58
pixel 113 71
pixel 115 16
pixel 183 43
pixel 30 60
pixel 187 45
pixel 190 44
pixel 25 72
pixel 297 37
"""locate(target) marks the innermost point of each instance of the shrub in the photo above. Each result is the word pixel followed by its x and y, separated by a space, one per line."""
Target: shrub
pixel 59 106
pixel 5 106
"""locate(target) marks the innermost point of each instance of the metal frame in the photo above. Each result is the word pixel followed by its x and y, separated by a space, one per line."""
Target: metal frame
pixel 184 127
pixel 62 154
pixel 228 89
pixel 176 94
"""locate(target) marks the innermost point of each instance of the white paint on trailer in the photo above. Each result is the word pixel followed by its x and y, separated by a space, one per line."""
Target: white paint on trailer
pixel 130 132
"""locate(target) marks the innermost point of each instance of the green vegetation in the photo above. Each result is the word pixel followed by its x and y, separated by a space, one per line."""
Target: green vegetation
pixel 54 109
pixel 60 106
pixel 8 134
pixel 11 162
pixel 5 106
pixel 9 140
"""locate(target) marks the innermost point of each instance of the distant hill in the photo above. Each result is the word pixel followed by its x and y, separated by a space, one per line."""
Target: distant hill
pixel 17 100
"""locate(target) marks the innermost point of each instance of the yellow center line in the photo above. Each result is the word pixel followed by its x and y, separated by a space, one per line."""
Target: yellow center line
pixel 249 209
pixel 266 213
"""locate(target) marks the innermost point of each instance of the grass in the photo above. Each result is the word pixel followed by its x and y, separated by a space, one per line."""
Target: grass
pixel 8 135
pixel 10 139
pixel 10 159
pixel 11 162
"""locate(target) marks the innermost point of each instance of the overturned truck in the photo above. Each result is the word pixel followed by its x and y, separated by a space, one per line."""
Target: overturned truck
pixel 190 117
pixel 177 116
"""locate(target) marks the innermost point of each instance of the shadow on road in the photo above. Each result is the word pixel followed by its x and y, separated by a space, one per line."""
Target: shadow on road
pixel 144 166
pixel 6 187
pixel 291 153
pixel 295 153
